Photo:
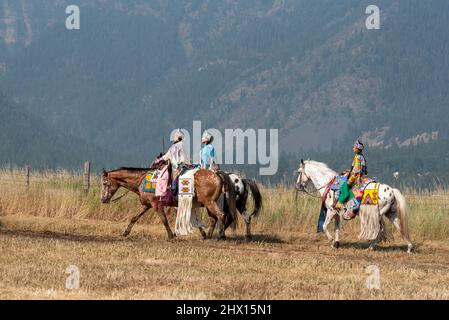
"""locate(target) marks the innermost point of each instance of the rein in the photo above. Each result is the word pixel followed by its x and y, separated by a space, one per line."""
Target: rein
pixel 316 189
pixel 116 199
pixel 311 194
pixel 127 191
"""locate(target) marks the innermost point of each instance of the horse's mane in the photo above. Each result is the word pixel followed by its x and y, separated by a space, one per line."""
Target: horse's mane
pixel 322 166
pixel 131 169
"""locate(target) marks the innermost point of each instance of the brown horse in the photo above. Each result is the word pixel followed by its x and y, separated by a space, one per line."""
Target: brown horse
pixel 208 186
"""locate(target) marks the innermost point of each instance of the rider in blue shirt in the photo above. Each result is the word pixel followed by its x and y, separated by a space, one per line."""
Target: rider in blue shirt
pixel 207 153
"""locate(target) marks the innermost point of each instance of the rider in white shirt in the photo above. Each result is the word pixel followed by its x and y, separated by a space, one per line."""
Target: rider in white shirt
pixel 176 153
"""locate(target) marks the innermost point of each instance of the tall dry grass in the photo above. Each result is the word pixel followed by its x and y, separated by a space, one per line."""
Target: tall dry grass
pixel 60 194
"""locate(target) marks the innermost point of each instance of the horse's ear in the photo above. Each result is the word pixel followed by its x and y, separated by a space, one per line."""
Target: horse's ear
pixel 104 172
pixel 302 161
pixel 160 155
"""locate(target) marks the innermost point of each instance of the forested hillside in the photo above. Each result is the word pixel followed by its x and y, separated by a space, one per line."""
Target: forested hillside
pixel 138 69
pixel 28 140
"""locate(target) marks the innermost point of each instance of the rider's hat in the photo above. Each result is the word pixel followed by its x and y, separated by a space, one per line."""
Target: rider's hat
pixel 207 137
pixel 359 145
pixel 178 135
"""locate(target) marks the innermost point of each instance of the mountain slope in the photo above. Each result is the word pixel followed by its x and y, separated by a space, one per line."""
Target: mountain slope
pixel 137 69
pixel 26 139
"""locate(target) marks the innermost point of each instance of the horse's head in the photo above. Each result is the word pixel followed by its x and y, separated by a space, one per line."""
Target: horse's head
pixel 302 176
pixel 316 173
pixel 108 187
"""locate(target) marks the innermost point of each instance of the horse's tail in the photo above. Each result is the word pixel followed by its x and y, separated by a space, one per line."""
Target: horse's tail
pixel 257 196
pixel 402 212
pixel 230 198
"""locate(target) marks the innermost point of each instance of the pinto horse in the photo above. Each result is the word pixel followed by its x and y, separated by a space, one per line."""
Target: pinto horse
pixel 391 204
pixel 208 186
pixel 242 188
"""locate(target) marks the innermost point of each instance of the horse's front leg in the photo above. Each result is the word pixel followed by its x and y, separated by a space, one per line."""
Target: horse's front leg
pixel 330 215
pixel 336 243
pixel 134 220
pixel 164 220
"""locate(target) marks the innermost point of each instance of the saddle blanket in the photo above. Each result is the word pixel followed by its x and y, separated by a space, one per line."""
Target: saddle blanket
pixel 338 182
pixel 148 184
pixel 187 217
pixel 367 193
pixel 371 194
pixel 186 185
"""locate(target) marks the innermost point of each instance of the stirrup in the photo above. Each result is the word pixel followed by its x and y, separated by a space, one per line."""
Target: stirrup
pixel 338 206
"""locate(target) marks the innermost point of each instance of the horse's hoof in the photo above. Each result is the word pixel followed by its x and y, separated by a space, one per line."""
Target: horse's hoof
pixel 125 234
pixel 248 238
pixel 336 244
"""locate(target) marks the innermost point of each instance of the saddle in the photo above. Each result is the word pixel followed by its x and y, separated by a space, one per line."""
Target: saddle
pixel 367 193
pixel 149 182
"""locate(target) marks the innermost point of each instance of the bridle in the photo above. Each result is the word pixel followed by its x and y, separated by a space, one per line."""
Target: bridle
pixel 116 199
pixel 303 189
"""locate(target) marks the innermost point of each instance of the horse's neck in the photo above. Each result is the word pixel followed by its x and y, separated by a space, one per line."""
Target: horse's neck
pixel 128 180
pixel 321 179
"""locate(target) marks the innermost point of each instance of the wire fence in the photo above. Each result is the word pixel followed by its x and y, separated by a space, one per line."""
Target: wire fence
pixel 27 177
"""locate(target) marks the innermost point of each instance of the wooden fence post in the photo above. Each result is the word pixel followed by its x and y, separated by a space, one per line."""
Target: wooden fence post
pixel 86 176
pixel 27 176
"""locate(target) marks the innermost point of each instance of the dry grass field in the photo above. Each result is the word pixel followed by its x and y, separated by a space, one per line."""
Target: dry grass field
pixel 53 224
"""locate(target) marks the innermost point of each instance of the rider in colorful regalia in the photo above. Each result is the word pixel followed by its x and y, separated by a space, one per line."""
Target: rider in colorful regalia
pixel 177 155
pixel 207 153
pixel 355 174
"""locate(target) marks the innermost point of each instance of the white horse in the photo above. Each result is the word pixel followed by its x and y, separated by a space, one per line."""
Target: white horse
pixel 391 204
